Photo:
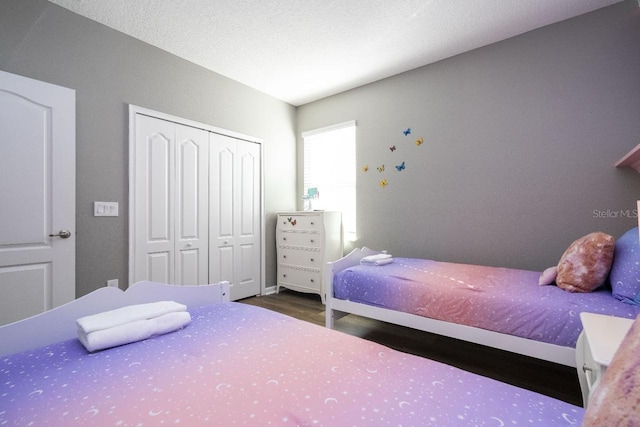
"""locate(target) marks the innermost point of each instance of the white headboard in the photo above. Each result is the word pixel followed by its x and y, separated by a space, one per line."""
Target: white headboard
pixel 59 324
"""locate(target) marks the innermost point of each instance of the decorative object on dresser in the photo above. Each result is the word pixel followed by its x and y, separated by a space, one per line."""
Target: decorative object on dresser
pixel 305 241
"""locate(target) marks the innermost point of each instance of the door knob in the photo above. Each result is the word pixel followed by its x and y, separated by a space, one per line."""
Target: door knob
pixel 63 234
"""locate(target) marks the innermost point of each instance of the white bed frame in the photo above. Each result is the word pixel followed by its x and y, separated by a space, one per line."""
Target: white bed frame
pixel 59 324
pixel 337 308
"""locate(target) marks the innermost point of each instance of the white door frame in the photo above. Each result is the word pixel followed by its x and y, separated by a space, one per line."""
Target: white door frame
pixel 133 110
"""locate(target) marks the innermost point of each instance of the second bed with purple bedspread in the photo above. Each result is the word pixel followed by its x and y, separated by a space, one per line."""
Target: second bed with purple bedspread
pixel 498 299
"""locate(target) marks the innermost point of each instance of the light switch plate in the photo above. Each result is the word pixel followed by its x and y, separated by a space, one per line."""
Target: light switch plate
pixel 105 208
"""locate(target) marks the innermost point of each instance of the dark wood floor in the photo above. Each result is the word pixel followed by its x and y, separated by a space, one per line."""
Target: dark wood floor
pixel 547 378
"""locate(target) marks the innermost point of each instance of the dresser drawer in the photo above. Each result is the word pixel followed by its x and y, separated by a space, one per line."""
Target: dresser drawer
pixel 299 278
pixel 303 258
pixel 300 222
pixel 309 240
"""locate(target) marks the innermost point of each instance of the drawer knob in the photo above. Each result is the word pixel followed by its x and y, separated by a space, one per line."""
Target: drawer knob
pixel 312 280
pixel 284 256
pixel 312 240
pixel 284 275
pixel 284 238
pixel 312 259
pixel 312 223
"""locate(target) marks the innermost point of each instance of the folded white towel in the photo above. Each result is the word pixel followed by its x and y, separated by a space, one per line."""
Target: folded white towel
pixel 124 315
pixel 378 259
pixel 137 330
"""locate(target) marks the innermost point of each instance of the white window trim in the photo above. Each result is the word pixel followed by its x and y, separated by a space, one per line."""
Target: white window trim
pixel 329 128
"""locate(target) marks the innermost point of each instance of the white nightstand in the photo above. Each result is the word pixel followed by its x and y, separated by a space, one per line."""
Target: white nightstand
pixel 599 340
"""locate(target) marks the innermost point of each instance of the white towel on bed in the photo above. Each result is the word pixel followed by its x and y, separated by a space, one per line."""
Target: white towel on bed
pixel 124 315
pixel 378 259
pixel 133 331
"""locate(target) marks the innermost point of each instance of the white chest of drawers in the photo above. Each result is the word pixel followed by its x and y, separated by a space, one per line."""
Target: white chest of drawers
pixel 305 242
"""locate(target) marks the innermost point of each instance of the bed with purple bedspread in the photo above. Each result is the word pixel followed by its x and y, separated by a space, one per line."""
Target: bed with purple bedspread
pixel 497 299
pixel 236 364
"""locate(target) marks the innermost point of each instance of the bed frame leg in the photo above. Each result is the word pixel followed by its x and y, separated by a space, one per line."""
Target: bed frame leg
pixel 329 318
pixel 332 315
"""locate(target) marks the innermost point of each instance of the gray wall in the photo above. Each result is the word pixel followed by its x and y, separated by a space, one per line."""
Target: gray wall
pixel 109 70
pixel 520 139
pixel 520 136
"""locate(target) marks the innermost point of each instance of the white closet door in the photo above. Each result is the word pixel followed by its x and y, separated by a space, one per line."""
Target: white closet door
pixel 221 206
pixel 192 195
pixel 171 194
pixel 154 204
pixel 249 221
pixel 234 244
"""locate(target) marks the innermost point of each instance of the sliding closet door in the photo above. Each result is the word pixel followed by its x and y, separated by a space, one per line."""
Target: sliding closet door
pixel 235 228
pixel 170 202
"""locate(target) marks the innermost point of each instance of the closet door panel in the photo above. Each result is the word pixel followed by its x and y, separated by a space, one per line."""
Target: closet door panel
pixel 224 191
pixel 192 195
pixel 159 267
pixel 222 263
pixel 188 267
pixel 249 258
pixel 249 210
pixel 159 149
pixel 154 204
pixel 222 207
pixel 249 219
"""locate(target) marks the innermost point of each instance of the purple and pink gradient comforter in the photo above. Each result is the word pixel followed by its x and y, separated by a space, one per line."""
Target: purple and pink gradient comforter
pixel 492 298
pixel 237 364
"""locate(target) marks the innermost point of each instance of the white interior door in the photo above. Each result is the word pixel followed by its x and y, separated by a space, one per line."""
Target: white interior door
pixel 37 189
pixel 235 229
pixel 169 199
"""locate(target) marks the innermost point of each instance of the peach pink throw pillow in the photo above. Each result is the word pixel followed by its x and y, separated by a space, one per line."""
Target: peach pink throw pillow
pixel 585 265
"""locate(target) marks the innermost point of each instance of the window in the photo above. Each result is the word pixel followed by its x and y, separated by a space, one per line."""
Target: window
pixel 330 166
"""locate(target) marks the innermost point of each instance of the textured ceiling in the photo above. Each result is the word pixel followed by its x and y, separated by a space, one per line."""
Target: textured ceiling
pixel 303 50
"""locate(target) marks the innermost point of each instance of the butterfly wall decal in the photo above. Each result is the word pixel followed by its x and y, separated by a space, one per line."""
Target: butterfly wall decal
pixel 365 168
pixel 406 132
pixel 383 183
pixel 292 221
pixel 392 148
pixel 419 141
pixel 381 168
pixel 400 167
